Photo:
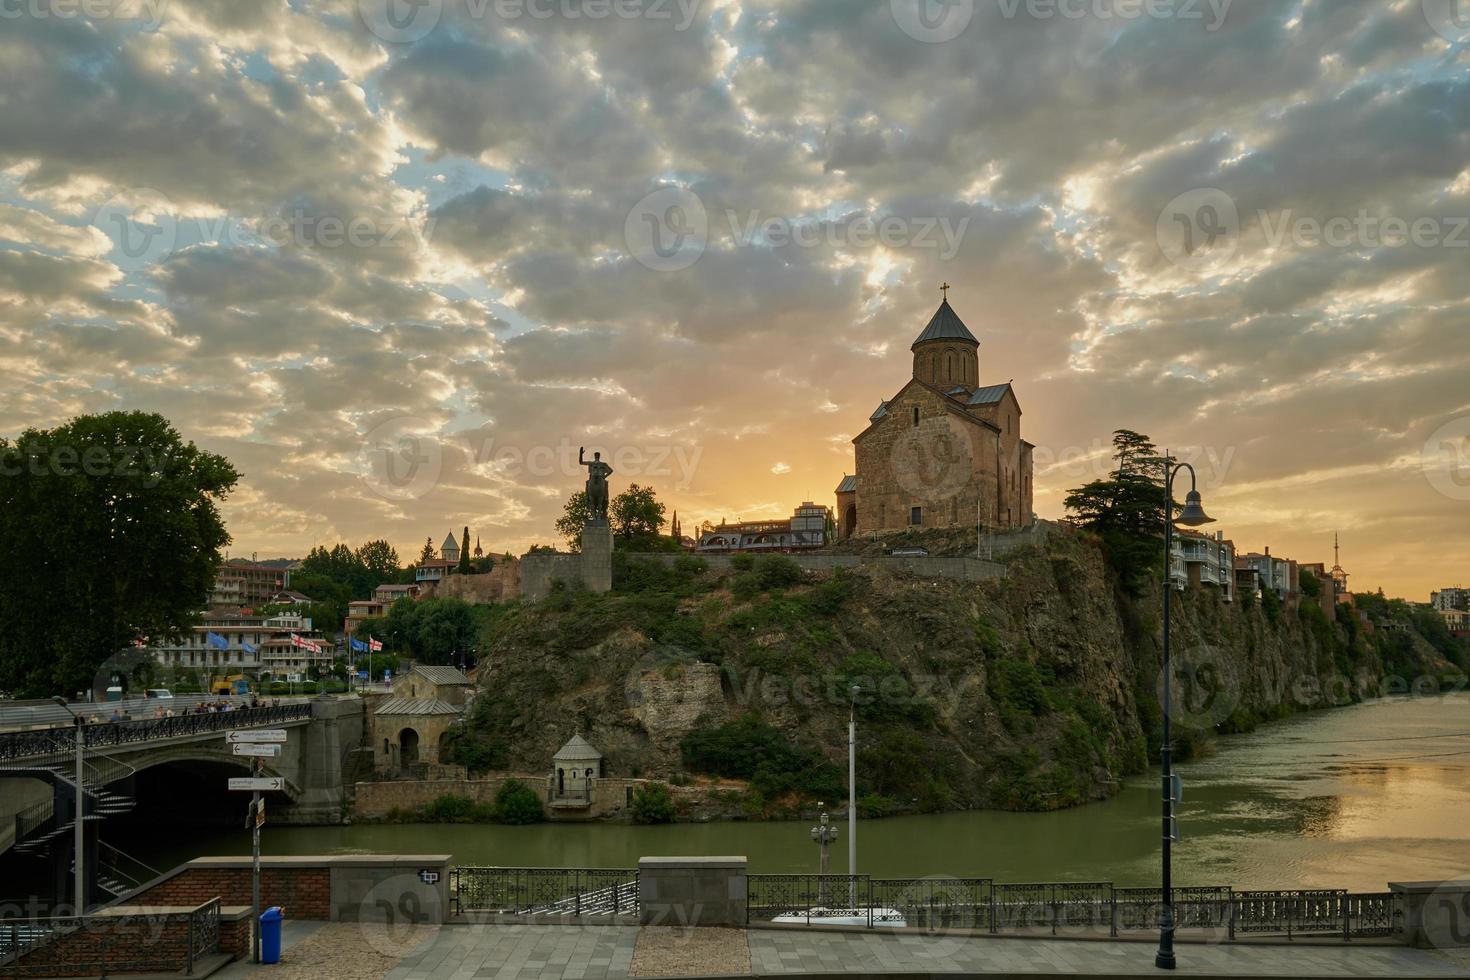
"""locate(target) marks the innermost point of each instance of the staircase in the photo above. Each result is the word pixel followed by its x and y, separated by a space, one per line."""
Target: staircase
pixel 38 827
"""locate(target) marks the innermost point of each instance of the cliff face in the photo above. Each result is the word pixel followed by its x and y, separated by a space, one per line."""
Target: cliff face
pixel 1037 691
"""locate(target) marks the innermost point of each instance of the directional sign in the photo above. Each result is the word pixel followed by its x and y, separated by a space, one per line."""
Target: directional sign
pixel 242 735
pixel 257 784
pixel 256 749
pixel 260 814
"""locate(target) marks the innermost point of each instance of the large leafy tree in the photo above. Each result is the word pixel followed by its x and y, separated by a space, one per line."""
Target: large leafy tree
pixel 1127 509
pixel 636 516
pixel 433 631
pixel 381 560
pixel 110 531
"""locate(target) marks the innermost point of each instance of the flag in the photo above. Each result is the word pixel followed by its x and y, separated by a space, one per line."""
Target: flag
pixel 374 645
pixel 216 641
pixel 249 647
pixel 358 646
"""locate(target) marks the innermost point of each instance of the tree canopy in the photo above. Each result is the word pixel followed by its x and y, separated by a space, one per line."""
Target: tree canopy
pixel 636 516
pixel 1126 509
pixel 111 530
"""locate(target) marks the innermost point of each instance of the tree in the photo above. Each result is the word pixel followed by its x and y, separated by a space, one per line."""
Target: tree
pixel 637 513
pixel 381 560
pixel 574 518
pixel 111 530
pixel 428 553
pixel 1126 509
pixel 516 803
pixel 464 554
pixel 652 804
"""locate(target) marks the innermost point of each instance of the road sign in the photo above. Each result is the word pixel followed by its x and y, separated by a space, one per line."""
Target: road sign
pixel 256 749
pixel 259 814
pixel 243 735
pixel 257 783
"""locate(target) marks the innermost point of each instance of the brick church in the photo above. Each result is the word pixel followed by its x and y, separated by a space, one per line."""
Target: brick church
pixel 945 451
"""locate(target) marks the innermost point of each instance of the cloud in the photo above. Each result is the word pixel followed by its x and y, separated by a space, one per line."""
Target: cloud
pixel 362 231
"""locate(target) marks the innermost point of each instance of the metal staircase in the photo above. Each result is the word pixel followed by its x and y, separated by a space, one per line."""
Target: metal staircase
pixel 38 827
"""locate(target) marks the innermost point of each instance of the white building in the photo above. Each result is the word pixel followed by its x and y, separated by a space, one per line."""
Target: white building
pixel 246 644
pixel 1201 559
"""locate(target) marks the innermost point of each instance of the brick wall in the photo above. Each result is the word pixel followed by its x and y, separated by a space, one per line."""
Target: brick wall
pixel 374 801
pixel 304 892
pixel 143 944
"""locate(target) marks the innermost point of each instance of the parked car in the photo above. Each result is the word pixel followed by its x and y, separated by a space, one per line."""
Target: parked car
pixel 158 693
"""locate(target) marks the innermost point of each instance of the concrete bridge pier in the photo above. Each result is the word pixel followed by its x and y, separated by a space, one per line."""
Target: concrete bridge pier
pixel 324 748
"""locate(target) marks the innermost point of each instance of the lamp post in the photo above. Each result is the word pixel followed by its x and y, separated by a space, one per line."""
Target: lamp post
pixel 824 834
pixel 852 796
pixel 1193 515
pixel 79 880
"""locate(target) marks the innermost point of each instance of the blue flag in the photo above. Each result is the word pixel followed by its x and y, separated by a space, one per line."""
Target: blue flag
pixel 358 646
pixel 249 647
pixel 216 641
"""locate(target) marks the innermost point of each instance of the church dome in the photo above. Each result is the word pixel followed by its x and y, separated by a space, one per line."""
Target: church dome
pixel 945 325
pixel 946 354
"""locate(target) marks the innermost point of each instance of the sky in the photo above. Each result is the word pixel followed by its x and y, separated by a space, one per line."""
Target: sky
pixel 400 259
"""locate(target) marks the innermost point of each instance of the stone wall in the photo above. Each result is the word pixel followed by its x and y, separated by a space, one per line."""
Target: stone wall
pixel 377 801
pixel 336 889
pixel 130 940
pixel 539 570
pixel 497 585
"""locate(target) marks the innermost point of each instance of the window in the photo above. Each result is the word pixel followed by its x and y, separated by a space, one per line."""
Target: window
pixel 916 516
pixel 916 416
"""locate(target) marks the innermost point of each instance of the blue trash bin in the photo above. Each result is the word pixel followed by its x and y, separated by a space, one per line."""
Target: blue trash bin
pixel 270 934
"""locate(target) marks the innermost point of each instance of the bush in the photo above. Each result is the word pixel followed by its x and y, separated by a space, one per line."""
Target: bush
pixel 450 808
pixel 516 803
pixel 742 562
pixel 1019 685
pixel 748 748
pixel 653 804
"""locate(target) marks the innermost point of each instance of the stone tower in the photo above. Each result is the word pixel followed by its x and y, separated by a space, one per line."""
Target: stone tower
pixel 946 353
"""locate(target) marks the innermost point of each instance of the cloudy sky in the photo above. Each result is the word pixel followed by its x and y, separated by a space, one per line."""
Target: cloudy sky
pixel 398 259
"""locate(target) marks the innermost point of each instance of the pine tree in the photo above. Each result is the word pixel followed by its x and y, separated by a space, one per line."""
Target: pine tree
pixel 464 554
pixel 428 553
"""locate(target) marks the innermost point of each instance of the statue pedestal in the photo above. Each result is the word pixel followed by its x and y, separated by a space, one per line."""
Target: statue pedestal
pixel 597 547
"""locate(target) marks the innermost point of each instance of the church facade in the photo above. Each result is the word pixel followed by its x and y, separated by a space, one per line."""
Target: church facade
pixel 945 451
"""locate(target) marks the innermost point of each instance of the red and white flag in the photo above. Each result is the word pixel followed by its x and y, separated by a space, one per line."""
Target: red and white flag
pixel 374 645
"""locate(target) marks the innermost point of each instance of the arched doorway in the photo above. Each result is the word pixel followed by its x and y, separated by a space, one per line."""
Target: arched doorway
pixel 408 747
pixel 849 521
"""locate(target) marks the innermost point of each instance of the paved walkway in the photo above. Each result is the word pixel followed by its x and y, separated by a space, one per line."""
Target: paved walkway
pixel 485 952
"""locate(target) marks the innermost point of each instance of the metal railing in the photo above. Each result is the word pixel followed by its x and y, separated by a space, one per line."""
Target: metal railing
pixel 980 905
pixel 164 942
pixel 544 891
pixel 56 743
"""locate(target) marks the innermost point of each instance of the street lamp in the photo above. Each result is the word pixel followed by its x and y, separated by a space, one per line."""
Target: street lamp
pixel 1192 515
pixel 824 834
pixel 852 795
pixel 79 881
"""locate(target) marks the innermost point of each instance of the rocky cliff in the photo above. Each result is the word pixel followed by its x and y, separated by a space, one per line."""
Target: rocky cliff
pixel 1037 691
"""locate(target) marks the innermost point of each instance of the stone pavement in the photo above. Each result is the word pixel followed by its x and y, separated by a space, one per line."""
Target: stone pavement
pixel 548 952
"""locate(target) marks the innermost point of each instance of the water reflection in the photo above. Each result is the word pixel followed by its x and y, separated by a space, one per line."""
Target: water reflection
pixel 1309 802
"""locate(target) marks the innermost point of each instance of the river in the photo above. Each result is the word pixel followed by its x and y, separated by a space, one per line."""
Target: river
pixel 1348 798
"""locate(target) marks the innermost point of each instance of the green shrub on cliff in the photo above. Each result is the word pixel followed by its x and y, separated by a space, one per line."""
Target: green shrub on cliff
pixel 517 804
pixel 653 804
pixel 748 748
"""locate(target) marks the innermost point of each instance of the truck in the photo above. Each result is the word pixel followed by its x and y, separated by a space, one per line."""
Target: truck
pixel 234 684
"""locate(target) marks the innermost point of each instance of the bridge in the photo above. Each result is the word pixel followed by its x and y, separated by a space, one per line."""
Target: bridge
pixel 38 770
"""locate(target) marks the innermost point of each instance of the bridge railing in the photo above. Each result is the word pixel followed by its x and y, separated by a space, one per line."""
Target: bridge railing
pixel 57 743
pixel 544 891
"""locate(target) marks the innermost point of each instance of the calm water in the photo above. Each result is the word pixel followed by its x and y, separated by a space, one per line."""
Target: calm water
pixel 1306 802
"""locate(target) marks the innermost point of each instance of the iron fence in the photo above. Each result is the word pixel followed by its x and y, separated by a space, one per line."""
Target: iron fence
pixel 980 905
pixel 100 944
pixel 544 891
pixel 58 743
